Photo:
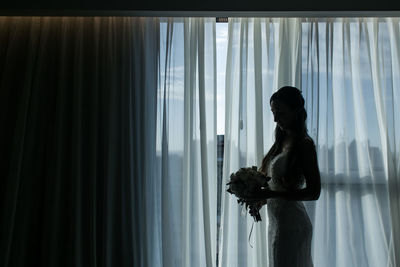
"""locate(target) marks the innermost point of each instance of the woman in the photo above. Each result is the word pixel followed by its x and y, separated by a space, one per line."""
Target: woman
pixel 292 165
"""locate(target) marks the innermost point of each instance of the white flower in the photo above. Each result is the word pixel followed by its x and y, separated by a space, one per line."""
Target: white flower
pixel 243 183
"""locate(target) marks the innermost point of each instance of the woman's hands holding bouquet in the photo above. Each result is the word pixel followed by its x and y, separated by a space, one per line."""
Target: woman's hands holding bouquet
pixel 250 187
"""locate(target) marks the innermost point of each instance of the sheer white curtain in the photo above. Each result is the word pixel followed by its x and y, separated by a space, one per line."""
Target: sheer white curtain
pixel 348 70
pixel 259 51
pixel 350 75
pixel 184 212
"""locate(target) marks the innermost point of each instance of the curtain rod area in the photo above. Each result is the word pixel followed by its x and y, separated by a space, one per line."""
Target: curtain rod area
pixel 147 13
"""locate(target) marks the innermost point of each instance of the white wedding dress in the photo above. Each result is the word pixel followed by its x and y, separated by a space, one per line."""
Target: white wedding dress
pixel 290 229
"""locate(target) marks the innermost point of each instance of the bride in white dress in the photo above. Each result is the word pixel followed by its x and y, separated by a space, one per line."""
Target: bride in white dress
pixel 292 165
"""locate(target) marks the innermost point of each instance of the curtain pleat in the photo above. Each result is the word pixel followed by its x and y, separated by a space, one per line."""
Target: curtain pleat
pixel 394 178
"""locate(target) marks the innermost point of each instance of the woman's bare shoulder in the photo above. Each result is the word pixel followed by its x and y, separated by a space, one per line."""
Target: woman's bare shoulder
pixel 307 143
pixel 307 148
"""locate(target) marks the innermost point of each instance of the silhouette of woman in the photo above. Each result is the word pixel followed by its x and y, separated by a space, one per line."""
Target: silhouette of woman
pixel 292 165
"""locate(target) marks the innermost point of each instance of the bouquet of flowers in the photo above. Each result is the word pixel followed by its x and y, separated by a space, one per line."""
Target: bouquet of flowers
pixel 243 183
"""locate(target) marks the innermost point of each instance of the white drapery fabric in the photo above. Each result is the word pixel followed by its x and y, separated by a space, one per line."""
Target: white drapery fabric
pixel 349 80
pixel 348 72
pixel 185 212
pixel 78 118
pixel 256 64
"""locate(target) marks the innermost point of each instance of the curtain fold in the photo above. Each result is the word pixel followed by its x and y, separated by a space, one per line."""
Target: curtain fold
pixel 186 142
pixel 78 113
pixel 347 69
pixel 386 94
pixel 394 176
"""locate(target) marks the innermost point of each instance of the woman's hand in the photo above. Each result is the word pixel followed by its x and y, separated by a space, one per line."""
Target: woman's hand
pixel 259 195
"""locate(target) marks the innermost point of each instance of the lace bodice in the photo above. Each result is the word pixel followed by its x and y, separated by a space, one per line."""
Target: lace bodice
pixel 277 170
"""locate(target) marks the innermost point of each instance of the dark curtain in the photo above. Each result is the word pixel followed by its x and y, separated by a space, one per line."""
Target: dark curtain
pixel 77 118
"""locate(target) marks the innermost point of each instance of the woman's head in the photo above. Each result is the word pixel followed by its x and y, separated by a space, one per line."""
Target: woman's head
pixel 287 106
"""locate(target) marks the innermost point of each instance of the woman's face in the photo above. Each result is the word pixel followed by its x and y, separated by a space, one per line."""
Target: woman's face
pixel 284 116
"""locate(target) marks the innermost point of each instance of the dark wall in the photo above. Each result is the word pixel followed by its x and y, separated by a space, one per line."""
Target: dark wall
pixel 197 5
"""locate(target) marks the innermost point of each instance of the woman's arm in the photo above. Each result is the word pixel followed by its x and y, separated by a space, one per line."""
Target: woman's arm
pixel 311 173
